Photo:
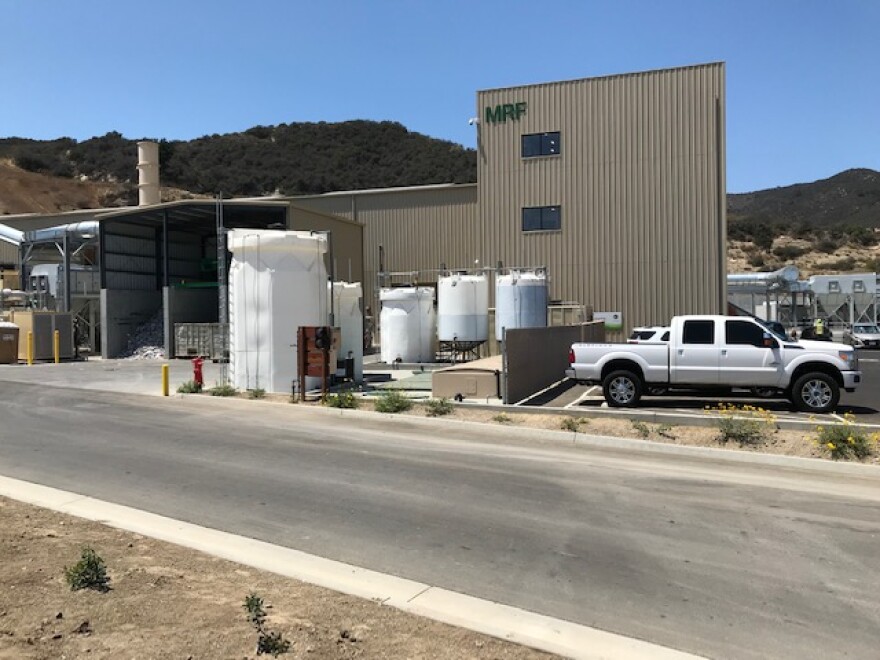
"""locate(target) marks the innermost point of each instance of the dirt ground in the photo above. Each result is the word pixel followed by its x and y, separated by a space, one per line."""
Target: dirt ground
pixel 786 442
pixel 171 602
pixel 778 441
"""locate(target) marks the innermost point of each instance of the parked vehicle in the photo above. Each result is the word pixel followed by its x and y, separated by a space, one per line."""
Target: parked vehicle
pixel 862 335
pixel 646 335
pixel 712 352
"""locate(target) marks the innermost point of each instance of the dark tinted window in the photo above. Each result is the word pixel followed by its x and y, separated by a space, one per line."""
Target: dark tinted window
pixel 665 336
pixel 699 332
pixel 743 333
pixel 531 145
pixel 531 219
pixel 542 218
pixel 541 144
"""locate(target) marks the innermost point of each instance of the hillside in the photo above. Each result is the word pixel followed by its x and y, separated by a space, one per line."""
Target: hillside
pixel 31 192
pixel 851 198
pixel 830 225
pixel 303 158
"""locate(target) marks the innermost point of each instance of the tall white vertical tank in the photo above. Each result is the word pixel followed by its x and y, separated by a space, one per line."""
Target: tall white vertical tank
pixel 277 283
pixel 463 308
pixel 520 301
pixel 407 324
pixel 349 318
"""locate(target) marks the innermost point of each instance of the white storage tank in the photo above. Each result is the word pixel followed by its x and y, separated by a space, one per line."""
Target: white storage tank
pixel 349 318
pixel 520 301
pixel 277 283
pixel 463 308
pixel 407 324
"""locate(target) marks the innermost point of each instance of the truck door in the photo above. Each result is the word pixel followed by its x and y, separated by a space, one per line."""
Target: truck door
pixel 745 360
pixel 694 360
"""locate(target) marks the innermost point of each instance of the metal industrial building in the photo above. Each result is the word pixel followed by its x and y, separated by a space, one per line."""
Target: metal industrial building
pixel 616 184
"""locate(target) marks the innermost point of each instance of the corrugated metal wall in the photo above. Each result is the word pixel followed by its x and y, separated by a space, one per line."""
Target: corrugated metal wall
pixel 8 254
pixel 419 228
pixel 348 252
pixel 641 183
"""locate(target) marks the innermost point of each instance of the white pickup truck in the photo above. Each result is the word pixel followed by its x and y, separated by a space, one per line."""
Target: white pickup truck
pixel 720 352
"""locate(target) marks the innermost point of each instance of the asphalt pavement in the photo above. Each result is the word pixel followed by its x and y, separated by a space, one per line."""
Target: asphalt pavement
pixel 713 556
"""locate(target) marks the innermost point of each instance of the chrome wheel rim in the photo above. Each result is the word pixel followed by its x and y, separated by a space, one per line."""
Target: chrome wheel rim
pixel 816 393
pixel 622 390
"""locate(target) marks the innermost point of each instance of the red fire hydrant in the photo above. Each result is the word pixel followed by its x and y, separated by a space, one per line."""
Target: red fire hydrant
pixel 198 377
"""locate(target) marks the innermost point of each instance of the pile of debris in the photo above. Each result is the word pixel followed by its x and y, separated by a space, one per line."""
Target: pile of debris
pixel 147 341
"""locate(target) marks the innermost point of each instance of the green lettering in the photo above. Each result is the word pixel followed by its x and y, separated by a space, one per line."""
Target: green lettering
pixel 520 109
pixel 508 111
pixel 494 115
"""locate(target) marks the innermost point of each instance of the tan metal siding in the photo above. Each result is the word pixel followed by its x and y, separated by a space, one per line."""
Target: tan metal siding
pixel 418 229
pixel 8 254
pixel 640 180
pixel 348 252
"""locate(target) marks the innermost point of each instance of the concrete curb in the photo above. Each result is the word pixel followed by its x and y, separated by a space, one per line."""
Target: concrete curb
pixel 586 440
pixel 495 619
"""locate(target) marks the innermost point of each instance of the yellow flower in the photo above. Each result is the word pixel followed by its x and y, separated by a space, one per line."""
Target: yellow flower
pixel 830 445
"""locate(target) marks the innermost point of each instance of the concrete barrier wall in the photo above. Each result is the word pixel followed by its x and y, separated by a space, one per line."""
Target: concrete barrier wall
pixel 535 358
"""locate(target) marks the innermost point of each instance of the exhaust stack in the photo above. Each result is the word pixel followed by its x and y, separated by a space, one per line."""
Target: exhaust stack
pixel 148 173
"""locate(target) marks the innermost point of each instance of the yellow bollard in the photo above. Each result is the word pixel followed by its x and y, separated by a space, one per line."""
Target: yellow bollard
pixel 57 346
pixel 164 380
pixel 30 347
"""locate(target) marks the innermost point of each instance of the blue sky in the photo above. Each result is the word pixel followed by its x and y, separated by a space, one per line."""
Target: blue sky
pixel 803 76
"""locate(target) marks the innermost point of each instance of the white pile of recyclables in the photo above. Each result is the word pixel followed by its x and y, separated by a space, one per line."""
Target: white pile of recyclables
pixel 147 341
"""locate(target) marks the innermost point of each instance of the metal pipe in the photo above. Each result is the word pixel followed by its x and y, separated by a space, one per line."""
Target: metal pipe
pixel 11 235
pixel 222 283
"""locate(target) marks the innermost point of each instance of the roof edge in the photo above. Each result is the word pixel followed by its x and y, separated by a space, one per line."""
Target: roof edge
pixel 703 65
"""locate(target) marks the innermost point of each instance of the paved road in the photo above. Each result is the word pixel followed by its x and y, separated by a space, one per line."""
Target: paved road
pixel 710 556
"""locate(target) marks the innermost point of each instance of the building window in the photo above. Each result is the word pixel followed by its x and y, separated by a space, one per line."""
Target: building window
pixel 541 144
pixel 542 218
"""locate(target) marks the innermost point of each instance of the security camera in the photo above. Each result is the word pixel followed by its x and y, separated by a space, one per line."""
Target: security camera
pixel 473 120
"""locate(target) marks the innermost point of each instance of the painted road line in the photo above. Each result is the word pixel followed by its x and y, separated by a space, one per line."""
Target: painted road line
pixel 516 625
pixel 582 397
pixel 539 393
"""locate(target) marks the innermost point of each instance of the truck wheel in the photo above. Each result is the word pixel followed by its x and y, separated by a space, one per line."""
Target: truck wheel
pixel 815 393
pixel 622 389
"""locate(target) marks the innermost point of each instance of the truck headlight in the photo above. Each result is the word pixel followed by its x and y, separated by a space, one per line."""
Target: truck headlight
pixel 850 358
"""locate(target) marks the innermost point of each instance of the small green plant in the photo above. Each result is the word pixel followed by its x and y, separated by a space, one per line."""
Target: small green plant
pixel 256 393
pixel 189 387
pixel 392 401
pixel 502 418
pixel 89 572
pixel 573 424
pixel 846 440
pixel 745 425
pixel 641 428
pixel 341 400
pixel 438 407
pixel 665 431
pixel 269 643
pixel 223 390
